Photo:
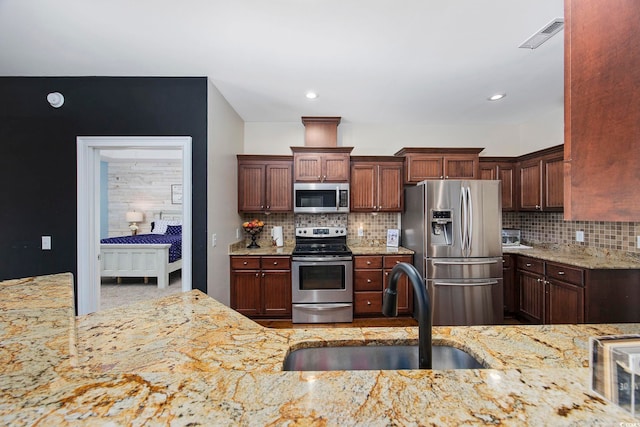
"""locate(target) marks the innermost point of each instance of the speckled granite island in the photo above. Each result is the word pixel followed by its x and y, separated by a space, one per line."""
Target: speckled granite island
pixel 189 360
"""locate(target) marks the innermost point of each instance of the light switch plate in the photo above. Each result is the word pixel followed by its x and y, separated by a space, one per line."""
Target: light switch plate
pixel 638 242
pixel 46 243
pixel 579 236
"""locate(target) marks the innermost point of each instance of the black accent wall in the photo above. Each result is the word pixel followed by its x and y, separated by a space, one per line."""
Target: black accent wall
pixel 38 157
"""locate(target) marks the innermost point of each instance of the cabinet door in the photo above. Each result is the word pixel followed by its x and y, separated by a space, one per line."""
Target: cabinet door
pixel 245 292
pixel 279 187
pixel 251 187
pixel 424 166
pixel 553 184
pixel 530 185
pixel 363 187
pixel 531 296
pixel 307 167
pixel 564 303
pixel 390 194
pixel 276 288
pixel 488 170
pixel 405 289
pixel 507 174
pixel 335 168
pixel 460 167
pixel 508 282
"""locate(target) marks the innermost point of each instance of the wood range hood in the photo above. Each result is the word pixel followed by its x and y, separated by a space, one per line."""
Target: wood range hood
pixel 321 131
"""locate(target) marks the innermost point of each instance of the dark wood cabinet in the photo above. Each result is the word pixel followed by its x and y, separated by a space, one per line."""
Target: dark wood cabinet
pixel 440 163
pixel 602 110
pixel 265 183
pixel 370 278
pixel 509 285
pixel 376 184
pixel 316 164
pixel 541 180
pixel 503 169
pixel 530 289
pixel 261 286
pixel 564 297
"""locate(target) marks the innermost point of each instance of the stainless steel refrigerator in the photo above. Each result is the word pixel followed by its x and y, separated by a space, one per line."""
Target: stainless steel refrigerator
pixel 454 227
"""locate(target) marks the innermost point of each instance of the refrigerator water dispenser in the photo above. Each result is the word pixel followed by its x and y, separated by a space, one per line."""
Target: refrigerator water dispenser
pixel 441 227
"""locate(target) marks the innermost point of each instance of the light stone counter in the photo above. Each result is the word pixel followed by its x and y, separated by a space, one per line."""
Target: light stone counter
pixel 188 360
pixel 580 257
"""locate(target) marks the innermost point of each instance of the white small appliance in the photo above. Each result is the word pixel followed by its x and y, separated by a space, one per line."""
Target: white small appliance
pixel 277 236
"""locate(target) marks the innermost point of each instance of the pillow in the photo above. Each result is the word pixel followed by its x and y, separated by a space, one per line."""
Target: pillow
pixel 160 225
pixel 175 230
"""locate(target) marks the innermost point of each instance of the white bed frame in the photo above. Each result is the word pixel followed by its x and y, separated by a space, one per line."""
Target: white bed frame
pixel 140 260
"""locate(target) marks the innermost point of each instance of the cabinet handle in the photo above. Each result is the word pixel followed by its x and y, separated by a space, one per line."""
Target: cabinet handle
pixel 446 177
pixel 441 177
pixel 324 177
pixel 262 274
pixel 257 274
pixel 275 262
pixel 539 280
pixel 368 280
pixel 261 206
pixel 386 273
pixel 244 263
pixel 561 273
pixel 528 264
pixel 538 207
pixel 268 206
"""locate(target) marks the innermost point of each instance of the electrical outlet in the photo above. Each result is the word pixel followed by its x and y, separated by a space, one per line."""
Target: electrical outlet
pixel 360 232
pixel 237 233
pixel 214 240
pixel 579 236
pixel 46 243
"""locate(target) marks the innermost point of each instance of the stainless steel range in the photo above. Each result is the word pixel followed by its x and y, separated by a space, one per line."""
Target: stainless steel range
pixel 322 276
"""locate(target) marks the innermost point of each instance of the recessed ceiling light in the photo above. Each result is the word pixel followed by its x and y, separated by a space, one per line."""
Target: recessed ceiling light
pixel 497 96
pixel 311 95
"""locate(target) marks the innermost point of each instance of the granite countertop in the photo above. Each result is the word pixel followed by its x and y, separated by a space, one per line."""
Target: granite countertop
pixel 186 359
pixel 287 249
pixel 577 256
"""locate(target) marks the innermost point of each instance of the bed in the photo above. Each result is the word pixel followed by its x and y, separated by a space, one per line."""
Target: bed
pixel 155 254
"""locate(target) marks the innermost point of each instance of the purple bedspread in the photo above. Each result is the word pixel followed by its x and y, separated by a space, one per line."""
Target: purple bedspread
pixel 175 250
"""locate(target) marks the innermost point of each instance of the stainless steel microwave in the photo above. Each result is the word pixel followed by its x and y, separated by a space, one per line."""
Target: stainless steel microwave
pixel 320 197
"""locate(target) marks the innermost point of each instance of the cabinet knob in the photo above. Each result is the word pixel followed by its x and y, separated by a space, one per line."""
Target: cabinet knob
pixel 539 280
pixel 244 263
pixel 275 262
pixel 368 262
pixel 319 178
pixel 538 207
pixel 446 177
pixel 441 176
pixel 397 262
pixel 268 206
pixel 261 206
pixel 368 302
pixel 368 280
pixel 257 274
pixel 262 274
pixel 324 177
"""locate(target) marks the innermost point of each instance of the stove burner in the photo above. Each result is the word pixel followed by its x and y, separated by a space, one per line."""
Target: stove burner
pixel 321 241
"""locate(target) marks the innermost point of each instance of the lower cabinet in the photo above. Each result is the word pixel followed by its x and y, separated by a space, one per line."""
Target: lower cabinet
pixel 550 293
pixel 509 285
pixel 261 286
pixel 370 278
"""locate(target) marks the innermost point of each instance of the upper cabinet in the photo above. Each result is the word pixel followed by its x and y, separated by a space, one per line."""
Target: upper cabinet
pixel 317 164
pixel 602 110
pixel 265 183
pixel 376 184
pixel 541 180
pixel 505 170
pixel 440 163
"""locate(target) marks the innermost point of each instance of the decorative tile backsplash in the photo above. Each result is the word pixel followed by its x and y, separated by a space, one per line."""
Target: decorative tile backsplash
pixel 550 227
pixel 536 228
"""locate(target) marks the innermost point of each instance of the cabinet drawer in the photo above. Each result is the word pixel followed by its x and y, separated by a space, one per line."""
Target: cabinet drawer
pixel 374 261
pixel 367 280
pixel 507 261
pixel 531 264
pixel 245 263
pixel 368 302
pixel 565 273
pixel 276 263
pixel 391 260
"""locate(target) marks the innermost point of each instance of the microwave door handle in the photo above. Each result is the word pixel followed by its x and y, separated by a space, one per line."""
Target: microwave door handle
pixel 337 198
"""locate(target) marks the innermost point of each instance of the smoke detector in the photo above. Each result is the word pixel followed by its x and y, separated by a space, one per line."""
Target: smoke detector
pixel 544 34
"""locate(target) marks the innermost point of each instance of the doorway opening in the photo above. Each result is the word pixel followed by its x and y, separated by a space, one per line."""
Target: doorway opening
pixel 89 151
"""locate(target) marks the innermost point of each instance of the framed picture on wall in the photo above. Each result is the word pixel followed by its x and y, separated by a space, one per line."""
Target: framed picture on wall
pixel 393 237
pixel 176 194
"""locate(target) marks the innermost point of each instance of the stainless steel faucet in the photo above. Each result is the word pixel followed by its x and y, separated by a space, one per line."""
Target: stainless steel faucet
pixel 421 299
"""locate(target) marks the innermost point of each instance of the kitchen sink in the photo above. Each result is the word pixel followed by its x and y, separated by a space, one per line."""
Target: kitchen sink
pixel 376 357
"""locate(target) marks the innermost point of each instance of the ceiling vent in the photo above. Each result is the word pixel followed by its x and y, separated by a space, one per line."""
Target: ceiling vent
pixel 544 34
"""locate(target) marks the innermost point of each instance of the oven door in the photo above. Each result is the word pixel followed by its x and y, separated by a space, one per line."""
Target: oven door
pixel 322 279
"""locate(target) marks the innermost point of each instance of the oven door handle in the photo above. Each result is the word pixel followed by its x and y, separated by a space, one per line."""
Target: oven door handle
pixel 321 307
pixel 322 259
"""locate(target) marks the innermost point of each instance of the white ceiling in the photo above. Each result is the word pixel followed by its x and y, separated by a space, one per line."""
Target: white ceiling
pixel 371 61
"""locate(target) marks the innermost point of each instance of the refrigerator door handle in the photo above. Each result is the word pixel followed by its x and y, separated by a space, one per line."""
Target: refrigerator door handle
pixel 490 261
pixel 470 221
pixel 463 220
pixel 487 283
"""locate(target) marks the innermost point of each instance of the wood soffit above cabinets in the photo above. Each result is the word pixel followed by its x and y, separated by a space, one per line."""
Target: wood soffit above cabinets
pixel 321 131
pixel 437 150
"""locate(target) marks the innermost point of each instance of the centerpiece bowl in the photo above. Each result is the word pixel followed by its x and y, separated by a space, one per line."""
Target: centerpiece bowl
pixel 254 228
